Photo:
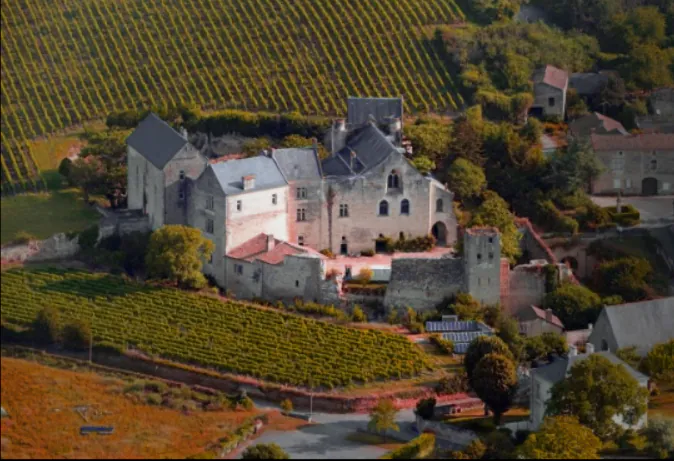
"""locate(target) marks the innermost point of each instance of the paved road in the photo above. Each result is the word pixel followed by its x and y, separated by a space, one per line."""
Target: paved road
pixel 656 207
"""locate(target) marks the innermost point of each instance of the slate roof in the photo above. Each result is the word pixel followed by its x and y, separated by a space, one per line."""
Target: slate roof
pixel 641 142
pixel 382 109
pixel 533 313
pixel 461 333
pixel 256 249
pixel 588 83
pixel 298 163
pixel 643 324
pixel 155 140
pixel 266 171
pixel 552 76
pixel 367 146
pixel 557 370
pixel 584 125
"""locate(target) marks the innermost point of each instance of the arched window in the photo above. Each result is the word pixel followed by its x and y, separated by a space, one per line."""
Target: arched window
pixel 383 208
pixel 438 205
pixel 393 180
pixel 405 207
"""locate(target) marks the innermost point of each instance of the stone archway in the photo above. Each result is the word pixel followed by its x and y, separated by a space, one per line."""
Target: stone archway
pixel 649 186
pixel 439 231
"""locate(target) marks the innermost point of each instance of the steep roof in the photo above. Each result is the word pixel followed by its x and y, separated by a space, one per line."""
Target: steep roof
pixel 533 313
pixel 557 370
pixel 552 76
pixel 359 110
pixel 643 324
pixel 256 249
pixel 641 142
pixel 230 174
pixel 298 163
pixel 585 124
pixel 155 140
pixel 365 148
pixel 588 83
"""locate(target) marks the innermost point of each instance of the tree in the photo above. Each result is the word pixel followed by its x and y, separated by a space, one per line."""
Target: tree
pixel 254 147
pixel 87 174
pixel 466 307
pixel 596 391
pixel 77 335
pixel 494 212
pixel 430 139
pixel 64 169
pixel 176 253
pixel 383 417
pixel 629 355
pixel 466 179
pixel 495 10
pixel 574 169
pixel 575 305
pixel 365 275
pixel 467 141
pixel 265 451
pixel 660 436
pixel 627 277
pixel 426 408
pixel 46 328
pixel 494 381
pixel 479 348
pixel 358 315
pixel 295 140
pixel 287 406
pixel 423 164
pixel 498 445
pixel 508 329
pixel 640 26
pixel 562 437
pixel 648 67
pixel 105 154
pixel 659 362
pixel 539 347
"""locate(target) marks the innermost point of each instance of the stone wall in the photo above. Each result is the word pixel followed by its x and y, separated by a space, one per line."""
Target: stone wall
pixel 455 437
pixel 637 167
pixel 192 164
pixel 299 276
pixel 56 247
pixel 527 287
pixel 542 93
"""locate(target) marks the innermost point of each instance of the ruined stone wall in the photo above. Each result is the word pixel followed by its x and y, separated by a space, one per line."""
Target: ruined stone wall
pixel 423 283
pixel 56 247
pixel 527 287
pixel 482 264
pixel 297 277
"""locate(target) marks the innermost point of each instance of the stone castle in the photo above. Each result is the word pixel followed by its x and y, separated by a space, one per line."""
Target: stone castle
pixel 268 215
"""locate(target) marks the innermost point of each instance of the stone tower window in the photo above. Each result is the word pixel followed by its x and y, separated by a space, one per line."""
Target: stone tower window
pixel 301 214
pixel 405 207
pixel 274 199
pixel 301 193
pixel 343 210
pixel 383 208
pixel 479 256
pixel 393 180
pixel 182 174
pixel 209 203
pixel 209 226
pixel 438 205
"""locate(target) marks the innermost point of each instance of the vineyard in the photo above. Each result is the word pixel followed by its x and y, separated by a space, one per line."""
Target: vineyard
pixel 69 61
pixel 203 331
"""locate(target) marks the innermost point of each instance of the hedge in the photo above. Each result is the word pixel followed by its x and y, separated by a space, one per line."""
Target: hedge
pixel 629 216
pixel 418 448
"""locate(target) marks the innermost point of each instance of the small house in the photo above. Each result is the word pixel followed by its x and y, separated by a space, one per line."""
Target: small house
pixel 550 86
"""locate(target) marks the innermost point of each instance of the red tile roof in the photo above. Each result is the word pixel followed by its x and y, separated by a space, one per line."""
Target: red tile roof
pixel 256 249
pixel 552 76
pixel 541 314
pixel 226 158
pixel 610 124
pixel 640 142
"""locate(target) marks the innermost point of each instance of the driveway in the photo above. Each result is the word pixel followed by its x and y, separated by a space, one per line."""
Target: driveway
pixel 651 208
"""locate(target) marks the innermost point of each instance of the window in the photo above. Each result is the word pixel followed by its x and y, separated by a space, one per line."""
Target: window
pixel 181 195
pixel 383 208
pixel 274 199
pixel 209 226
pixel 301 214
pixel 551 102
pixel 182 175
pixel 297 283
pixel 620 153
pixel 300 240
pixel 654 164
pixel 239 205
pixel 617 183
pixel 438 205
pixel 665 186
pixel 405 207
pixel 209 203
pixel 393 180
pixel 479 256
pixel 618 163
pixel 343 210
pixel 238 269
pixel 491 255
pixel 628 183
pixel 491 239
pixel 301 193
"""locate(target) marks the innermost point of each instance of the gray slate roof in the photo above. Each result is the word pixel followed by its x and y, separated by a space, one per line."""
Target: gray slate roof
pixel 298 163
pixel 230 174
pixel 642 324
pixel 367 145
pixel 359 110
pixel 557 370
pixel 155 140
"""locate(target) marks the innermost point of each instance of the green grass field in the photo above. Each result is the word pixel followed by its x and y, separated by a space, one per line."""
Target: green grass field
pixel 44 214
pixel 71 61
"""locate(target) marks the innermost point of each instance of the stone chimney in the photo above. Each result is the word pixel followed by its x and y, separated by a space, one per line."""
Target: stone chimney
pixel 548 315
pixel 573 351
pixel 270 242
pixel 248 182
pixel 589 348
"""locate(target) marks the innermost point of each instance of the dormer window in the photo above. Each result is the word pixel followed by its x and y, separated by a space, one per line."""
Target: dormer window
pixel 394 180
pixel 248 182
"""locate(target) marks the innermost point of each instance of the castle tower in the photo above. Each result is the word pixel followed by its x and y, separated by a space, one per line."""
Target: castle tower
pixel 482 264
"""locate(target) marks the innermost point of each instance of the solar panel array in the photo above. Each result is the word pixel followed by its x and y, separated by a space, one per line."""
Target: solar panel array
pixel 463 336
pixel 436 327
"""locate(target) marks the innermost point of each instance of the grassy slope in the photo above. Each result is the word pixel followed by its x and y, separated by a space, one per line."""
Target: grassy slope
pixel 42 422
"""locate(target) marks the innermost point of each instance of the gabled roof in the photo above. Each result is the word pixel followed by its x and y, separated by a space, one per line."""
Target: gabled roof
pixel 256 249
pixel 557 370
pixel 640 142
pixel 155 140
pixel 643 324
pixel 230 174
pixel 298 163
pixel 584 125
pixel 365 148
pixel 552 76
pixel 359 110
pixel 533 313
pixel 588 83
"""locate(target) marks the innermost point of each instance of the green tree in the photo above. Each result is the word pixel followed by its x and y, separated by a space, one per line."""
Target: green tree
pixel 629 355
pixel 466 179
pixel 539 347
pixel 106 152
pixel 494 380
pixel 426 408
pixel 77 335
pixel 383 417
pixel 640 26
pixel 295 140
pixel 596 391
pixel 287 405
pixel 575 305
pixel 495 10
pixel 648 67
pixel 358 315
pixel 508 329
pixel 423 164
pixel 430 139
pixel 479 348
pixel 494 212
pixel 562 437
pixel 499 446
pixel 176 253
pixel 64 169
pixel 254 147
pixel 46 327
pixel 627 277
pixel 659 362
pixel 467 140
pixel 660 436
pixel 574 168
pixel 265 451
pixel 87 175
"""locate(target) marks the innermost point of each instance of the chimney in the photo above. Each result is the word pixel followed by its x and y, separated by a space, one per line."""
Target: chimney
pixel 270 242
pixel 589 348
pixel 548 315
pixel 573 351
pixel 589 326
pixel 341 125
pixel 248 182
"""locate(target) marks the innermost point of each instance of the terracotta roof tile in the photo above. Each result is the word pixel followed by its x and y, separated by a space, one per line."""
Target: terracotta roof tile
pixel 256 249
pixel 552 76
pixel 610 124
pixel 541 314
pixel 642 142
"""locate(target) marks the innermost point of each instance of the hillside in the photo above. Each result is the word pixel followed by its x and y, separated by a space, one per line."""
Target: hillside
pixel 75 60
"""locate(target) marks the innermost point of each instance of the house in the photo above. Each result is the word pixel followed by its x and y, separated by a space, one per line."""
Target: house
pixel 461 333
pixel 642 324
pixel 550 86
pixel 535 321
pixel 544 378
pixel 596 123
pixel 637 164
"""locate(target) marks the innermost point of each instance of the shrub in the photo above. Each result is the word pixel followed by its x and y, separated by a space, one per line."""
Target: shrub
pixel 454 384
pixel 23 237
pixel 265 451
pixel 420 244
pixel 659 362
pixel 416 328
pixel 154 399
pixel 88 238
pixel 46 326
pixel 158 387
pixel 327 252
pixel 64 169
pixel 418 448
pixel 629 215
pixel 287 405
pixel 358 315
pixel 246 403
pixel 369 252
pixel 365 275
pixel 426 408
pixel 387 243
pixel 77 335
pixel 392 317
